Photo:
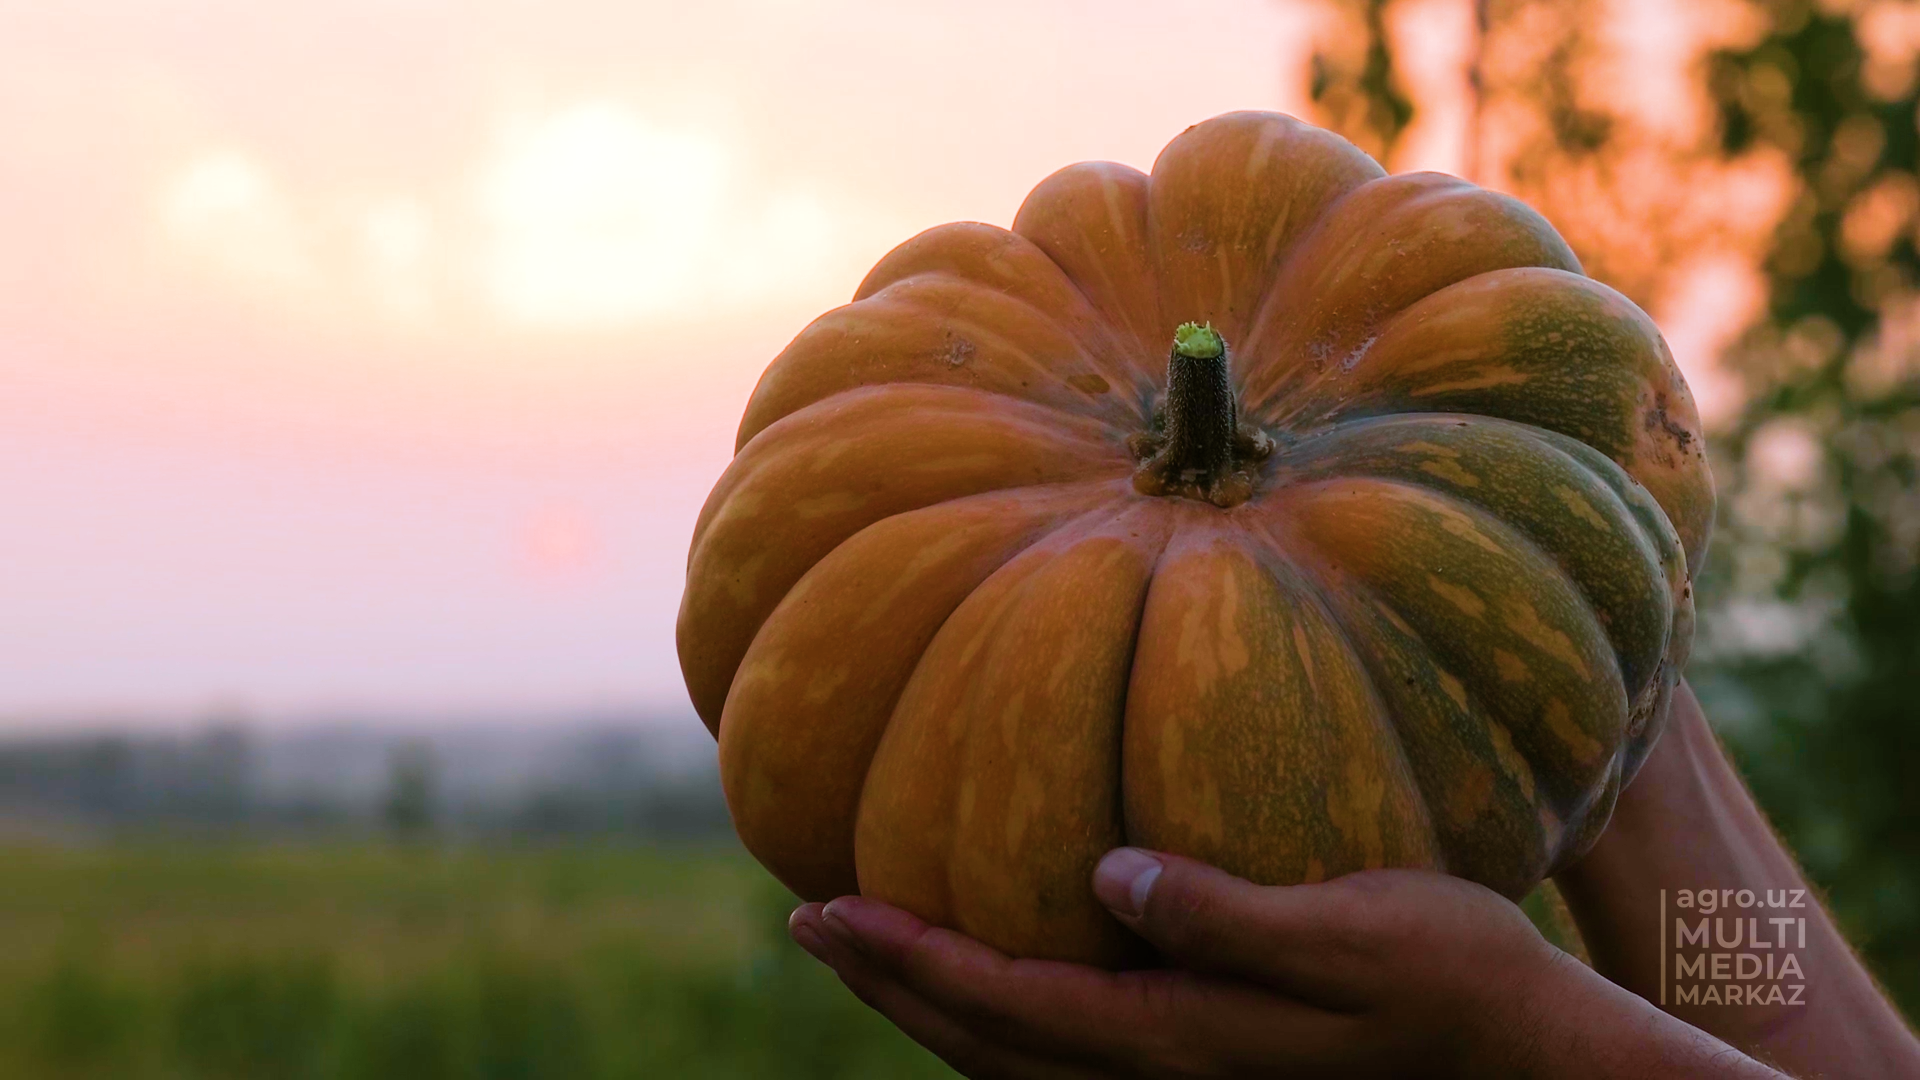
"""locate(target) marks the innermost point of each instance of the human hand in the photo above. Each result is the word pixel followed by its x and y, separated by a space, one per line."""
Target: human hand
pixel 1383 973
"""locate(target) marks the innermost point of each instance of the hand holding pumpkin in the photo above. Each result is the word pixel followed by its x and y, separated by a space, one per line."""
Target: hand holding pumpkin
pixel 1380 973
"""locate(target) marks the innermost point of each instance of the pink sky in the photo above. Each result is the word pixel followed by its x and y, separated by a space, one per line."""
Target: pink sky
pixel 346 349
pixel 378 355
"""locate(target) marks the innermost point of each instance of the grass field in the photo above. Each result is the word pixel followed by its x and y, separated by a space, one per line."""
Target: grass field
pixel 363 960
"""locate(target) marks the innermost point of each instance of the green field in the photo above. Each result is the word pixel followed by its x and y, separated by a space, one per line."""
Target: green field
pixel 356 960
pixel 360 960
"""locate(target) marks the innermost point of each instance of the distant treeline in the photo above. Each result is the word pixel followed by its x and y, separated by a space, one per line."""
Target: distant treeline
pixel 595 777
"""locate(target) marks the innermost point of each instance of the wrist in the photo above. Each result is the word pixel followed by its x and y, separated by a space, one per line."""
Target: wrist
pixel 1570 1023
pixel 1515 1027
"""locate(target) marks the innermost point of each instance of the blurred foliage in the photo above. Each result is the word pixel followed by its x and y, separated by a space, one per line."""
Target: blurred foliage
pixel 1809 649
pixel 1548 910
pixel 346 961
pixel 1353 83
pixel 1820 530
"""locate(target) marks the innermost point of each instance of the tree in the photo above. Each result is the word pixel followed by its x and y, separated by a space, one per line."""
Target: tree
pixel 409 805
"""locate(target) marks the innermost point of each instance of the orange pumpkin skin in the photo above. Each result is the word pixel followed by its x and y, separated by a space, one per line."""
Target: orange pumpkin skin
pixel 953 653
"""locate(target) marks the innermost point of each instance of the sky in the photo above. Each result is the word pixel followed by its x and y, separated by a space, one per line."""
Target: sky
pixel 376 355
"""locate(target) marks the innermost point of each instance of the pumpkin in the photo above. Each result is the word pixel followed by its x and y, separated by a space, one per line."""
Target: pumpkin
pixel 1266 509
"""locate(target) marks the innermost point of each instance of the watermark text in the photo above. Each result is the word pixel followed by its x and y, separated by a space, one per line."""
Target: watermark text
pixel 1733 946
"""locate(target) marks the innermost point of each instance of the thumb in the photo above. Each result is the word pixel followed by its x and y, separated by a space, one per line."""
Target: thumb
pixel 1206 920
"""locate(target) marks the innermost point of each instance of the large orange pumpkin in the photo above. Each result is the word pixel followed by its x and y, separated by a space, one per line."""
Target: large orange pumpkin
pixel 1396 574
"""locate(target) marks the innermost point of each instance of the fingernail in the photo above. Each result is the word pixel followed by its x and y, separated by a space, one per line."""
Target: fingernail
pixel 807 938
pixel 1124 879
pixel 837 928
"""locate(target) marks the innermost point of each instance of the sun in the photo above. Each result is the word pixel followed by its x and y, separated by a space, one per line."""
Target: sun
pixel 597 218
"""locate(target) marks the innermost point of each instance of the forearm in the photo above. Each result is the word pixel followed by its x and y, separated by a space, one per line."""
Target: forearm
pixel 1575 1025
pixel 1687 823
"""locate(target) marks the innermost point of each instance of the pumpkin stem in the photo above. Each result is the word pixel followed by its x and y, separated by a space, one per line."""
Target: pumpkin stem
pixel 1198 447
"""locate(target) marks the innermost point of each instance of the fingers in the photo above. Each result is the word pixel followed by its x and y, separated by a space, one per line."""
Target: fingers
pixel 1372 972
pixel 1133 1023
pixel 947 1038
pixel 1303 940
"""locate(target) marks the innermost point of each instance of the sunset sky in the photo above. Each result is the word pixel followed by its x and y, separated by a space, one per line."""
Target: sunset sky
pixel 377 354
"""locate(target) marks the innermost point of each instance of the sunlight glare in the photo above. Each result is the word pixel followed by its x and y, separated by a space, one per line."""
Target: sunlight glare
pixel 225 209
pixel 395 235
pixel 596 217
